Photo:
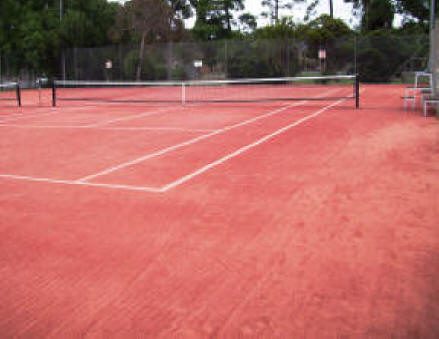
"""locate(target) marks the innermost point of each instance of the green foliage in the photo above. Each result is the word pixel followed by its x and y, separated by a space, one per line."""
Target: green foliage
pixel 382 54
pixel 153 65
pixel 380 15
pixel 371 67
pixel 262 58
pixel 273 8
pixel 418 9
pixel 215 18
pixel 248 22
pixel 32 36
pixel 284 28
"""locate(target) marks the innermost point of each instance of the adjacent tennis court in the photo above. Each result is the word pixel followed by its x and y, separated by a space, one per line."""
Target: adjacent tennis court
pixel 231 217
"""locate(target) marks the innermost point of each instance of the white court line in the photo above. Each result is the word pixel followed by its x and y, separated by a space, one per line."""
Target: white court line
pixel 132 117
pixel 246 148
pixel 159 128
pixel 26 116
pixel 197 139
pixel 183 179
pixel 186 143
pixel 79 183
pixel 152 128
pixel 53 111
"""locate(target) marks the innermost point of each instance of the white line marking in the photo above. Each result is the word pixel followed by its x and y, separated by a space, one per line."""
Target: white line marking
pixel 186 143
pixel 79 183
pixel 246 148
pixel 41 126
pixel 159 128
pixel 53 111
pixel 122 128
pixel 26 116
pixel 130 117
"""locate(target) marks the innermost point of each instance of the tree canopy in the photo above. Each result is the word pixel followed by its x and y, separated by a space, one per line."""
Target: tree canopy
pixel 33 34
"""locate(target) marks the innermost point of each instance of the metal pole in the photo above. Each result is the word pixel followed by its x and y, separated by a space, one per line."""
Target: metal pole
pixel 53 93
pixel 63 56
pixel 432 62
pixel 183 94
pixel 18 90
pixel 355 54
pixel 39 91
pixel 357 91
pixel 226 61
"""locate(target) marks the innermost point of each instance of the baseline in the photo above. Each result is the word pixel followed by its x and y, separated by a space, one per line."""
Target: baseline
pixel 121 128
pixel 80 183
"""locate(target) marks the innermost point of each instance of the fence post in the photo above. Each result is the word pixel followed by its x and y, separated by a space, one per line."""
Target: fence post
pixel 288 57
pixel 183 93
pixel 355 54
pixel 226 60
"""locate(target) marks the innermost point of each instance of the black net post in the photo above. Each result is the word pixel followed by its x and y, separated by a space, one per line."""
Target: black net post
pixel 18 90
pixel 53 93
pixel 357 91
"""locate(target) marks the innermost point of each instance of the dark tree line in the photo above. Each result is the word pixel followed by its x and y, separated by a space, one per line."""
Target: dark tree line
pixel 33 34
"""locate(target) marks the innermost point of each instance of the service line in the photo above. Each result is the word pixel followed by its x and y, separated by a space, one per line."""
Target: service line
pixel 246 148
pixel 187 177
pixel 185 143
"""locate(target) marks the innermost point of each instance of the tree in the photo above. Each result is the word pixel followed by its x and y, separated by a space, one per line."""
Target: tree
pixel 311 7
pixel 418 9
pixel 152 19
pixel 380 15
pixel 33 36
pixel 331 34
pixel 375 14
pixel 181 8
pixel 215 18
pixel 273 8
pixel 248 22
pixel 87 23
pixel 228 6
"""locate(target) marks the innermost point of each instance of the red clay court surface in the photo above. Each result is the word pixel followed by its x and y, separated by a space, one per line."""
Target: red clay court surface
pixel 270 220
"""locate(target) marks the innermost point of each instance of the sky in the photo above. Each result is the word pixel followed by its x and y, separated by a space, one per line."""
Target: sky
pixel 341 11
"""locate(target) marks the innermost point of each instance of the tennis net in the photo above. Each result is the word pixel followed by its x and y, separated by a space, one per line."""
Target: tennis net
pixel 242 90
pixel 10 92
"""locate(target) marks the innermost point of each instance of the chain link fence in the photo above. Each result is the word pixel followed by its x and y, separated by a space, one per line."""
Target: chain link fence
pixel 376 57
pixel 12 69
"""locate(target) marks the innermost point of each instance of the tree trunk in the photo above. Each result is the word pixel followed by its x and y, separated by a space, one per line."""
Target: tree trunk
pixel 331 9
pixel 142 49
pixel 229 26
pixel 276 10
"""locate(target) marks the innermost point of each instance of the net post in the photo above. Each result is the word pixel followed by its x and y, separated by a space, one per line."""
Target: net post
pixel 53 93
pixel 18 90
pixel 183 93
pixel 357 91
pixel 39 91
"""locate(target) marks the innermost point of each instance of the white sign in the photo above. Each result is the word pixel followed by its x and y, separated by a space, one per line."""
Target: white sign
pixel 198 63
pixel 108 64
pixel 322 53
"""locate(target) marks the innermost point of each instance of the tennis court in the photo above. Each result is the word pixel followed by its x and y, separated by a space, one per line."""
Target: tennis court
pixel 226 218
